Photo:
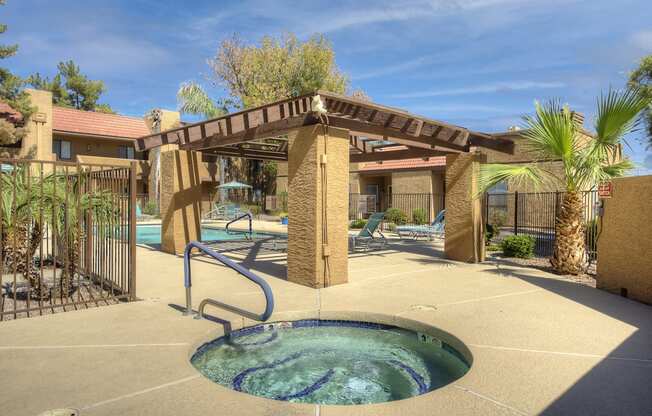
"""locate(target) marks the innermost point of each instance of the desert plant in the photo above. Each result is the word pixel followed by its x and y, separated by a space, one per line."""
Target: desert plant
pixel 29 203
pixel 396 216
pixel 150 208
pixel 419 216
pixel 490 232
pixel 554 134
pixel 521 246
pixel 358 224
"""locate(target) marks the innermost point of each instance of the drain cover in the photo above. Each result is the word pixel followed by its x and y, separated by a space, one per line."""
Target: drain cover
pixel 60 412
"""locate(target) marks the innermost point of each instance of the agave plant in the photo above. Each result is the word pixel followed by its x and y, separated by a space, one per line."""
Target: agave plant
pixel 63 203
pixel 553 134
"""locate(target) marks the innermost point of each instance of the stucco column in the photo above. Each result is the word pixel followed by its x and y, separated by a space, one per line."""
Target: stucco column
pixel 180 199
pixel 318 216
pixel 464 229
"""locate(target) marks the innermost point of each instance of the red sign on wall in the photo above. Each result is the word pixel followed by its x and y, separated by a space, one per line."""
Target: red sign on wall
pixel 605 189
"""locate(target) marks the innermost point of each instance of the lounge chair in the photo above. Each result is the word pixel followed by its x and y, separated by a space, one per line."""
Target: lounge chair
pixel 366 238
pixel 224 212
pixel 435 229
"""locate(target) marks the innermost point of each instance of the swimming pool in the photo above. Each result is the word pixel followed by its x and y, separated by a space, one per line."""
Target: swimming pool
pixel 330 362
pixel 151 234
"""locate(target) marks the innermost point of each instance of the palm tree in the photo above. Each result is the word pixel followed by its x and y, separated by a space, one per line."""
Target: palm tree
pixel 553 134
pixel 30 202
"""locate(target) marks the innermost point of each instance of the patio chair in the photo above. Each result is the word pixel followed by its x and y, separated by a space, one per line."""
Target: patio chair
pixel 366 238
pixel 435 229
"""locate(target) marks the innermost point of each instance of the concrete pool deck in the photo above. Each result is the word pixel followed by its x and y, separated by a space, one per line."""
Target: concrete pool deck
pixel 540 344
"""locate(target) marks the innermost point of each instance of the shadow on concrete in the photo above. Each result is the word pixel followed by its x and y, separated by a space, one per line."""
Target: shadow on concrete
pixel 621 383
pixel 225 324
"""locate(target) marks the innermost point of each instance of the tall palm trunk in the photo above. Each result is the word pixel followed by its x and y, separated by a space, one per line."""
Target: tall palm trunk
pixel 570 253
pixel 19 247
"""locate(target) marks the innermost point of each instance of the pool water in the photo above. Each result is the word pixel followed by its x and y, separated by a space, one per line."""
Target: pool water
pixel 330 362
pixel 151 234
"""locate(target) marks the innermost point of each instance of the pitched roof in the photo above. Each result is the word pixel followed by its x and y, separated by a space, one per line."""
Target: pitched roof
pixel 403 164
pixel 70 120
pixel 7 112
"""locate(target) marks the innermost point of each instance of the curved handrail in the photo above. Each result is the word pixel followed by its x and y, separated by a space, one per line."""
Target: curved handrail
pixel 267 290
pixel 246 214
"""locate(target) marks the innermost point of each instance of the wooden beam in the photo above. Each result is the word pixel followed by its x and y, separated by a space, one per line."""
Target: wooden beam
pixel 395 155
pixel 262 131
pixel 490 142
pixel 392 134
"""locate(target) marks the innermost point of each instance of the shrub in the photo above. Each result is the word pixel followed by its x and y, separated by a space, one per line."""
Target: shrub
pixel 490 232
pixel 419 216
pixel 396 216
pixel 357 224
pixel 150 208
pixel 498 219
pixel 254 209
pixel 518 246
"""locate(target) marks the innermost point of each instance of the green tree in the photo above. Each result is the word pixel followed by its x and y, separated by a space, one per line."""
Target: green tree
pixel 12 92
pixel 254 75
pixel 641 80
pixel 553 134
pixel 71 88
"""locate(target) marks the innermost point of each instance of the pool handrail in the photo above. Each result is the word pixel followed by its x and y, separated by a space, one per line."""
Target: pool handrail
pixel 267 290
pixel 245 215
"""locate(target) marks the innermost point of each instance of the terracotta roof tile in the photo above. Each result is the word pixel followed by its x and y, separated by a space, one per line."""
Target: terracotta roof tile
pixel 7 112
pixel 402 164
pixel 100 124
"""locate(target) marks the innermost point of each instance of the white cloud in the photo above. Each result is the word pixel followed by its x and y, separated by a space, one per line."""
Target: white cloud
pixel 482 89
pixel 392 69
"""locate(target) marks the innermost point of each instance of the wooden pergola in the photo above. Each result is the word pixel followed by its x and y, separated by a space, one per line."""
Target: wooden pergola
pixel 376 132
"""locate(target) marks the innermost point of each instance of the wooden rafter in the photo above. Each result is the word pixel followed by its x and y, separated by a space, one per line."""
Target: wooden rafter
pixel 367 123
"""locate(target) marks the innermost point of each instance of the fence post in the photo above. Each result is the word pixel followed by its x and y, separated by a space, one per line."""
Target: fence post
pixel 515 212
pixel 132 231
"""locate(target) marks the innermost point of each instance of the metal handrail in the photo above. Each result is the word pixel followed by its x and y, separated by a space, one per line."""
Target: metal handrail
pixel 267 290
pixel 247 215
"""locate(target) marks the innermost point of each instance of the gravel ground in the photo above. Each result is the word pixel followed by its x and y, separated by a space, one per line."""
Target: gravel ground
pixel 543 263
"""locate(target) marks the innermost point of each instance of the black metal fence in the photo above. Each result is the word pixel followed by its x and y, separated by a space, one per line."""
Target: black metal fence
pixel 67 236
pixel 534 214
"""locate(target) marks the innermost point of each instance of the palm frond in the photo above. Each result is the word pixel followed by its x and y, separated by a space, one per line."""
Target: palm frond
pixel 551 132
pixel 617 115
pixel 194 100
pixel 516 175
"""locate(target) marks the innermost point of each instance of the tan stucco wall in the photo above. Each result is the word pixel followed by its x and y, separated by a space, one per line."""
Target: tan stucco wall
pixel 181 195
pixel 95 146
pixel 625 243
pixel 37 144
pixel 412 182
pixel 464 229
pixel 306 253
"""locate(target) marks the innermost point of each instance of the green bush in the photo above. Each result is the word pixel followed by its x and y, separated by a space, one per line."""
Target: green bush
pixel 419 216
pixel 254 209
pixel 150 208
pixel 357 224
pixel 396 216
pixel 518 246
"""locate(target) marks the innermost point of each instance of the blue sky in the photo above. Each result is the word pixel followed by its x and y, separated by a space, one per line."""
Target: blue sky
pixel 476 63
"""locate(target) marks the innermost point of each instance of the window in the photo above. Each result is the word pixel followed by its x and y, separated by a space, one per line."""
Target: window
pixel 499 188
pixel 62 149
pixel 126 152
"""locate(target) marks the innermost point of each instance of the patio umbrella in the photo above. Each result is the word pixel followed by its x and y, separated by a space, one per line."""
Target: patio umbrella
pixel 234 185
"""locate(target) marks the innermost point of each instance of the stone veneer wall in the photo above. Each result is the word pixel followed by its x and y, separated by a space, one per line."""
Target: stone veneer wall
pixel 464 229
pixel 181 194
pixel 306 264
pixel 625 242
